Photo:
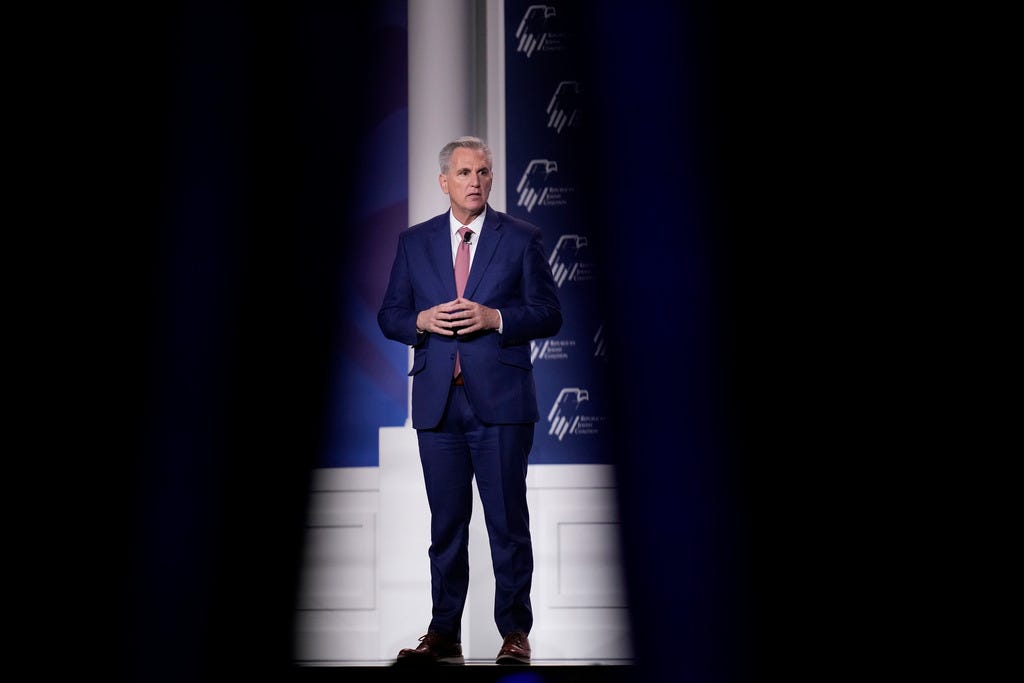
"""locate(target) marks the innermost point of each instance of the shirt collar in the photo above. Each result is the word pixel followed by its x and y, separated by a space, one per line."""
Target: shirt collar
pixel 476 225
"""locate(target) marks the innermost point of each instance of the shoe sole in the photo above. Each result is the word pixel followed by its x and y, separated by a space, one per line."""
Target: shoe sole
pixel 509 660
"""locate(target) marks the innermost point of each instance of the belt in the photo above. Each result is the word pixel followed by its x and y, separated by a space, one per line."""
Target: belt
pixel 457 380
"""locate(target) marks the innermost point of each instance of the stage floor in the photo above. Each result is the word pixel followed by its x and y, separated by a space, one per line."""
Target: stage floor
pixel 540 671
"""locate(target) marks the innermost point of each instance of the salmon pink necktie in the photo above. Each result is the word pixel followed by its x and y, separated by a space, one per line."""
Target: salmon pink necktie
pixel 461 275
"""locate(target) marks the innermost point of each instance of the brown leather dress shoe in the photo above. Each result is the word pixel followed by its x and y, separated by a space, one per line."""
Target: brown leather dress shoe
pixel 434 648
pixel 515 649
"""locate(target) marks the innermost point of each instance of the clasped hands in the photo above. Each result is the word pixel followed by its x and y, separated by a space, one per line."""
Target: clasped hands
pixel 459 316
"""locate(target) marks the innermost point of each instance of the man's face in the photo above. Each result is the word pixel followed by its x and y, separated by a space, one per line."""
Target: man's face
pixel 467 183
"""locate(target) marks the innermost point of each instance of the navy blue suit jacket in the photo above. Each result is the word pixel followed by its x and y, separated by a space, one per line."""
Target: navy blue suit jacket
pixel 509 272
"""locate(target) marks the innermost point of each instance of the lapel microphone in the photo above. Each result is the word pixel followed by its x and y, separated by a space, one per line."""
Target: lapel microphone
pixel 467 236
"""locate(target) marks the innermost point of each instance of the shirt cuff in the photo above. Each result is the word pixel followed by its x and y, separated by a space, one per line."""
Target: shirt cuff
pixel 501 323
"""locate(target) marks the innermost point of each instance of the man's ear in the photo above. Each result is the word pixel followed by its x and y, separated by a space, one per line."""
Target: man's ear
pixel 443 181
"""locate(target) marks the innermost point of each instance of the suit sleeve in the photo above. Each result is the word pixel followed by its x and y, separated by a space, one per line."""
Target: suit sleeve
pixel 540 315
pixel 397 314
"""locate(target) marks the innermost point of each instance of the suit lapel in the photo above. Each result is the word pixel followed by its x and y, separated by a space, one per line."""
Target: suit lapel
pixel 441 255
pixel 485 248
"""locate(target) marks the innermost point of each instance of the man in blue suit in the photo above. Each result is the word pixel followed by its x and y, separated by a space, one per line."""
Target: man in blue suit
pixel 474 402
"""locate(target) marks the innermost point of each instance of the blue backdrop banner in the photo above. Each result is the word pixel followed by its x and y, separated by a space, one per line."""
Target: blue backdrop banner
pixel 371 373
pixel 545 128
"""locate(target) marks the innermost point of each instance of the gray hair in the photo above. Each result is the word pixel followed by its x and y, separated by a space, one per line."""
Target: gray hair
pixel 467 141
